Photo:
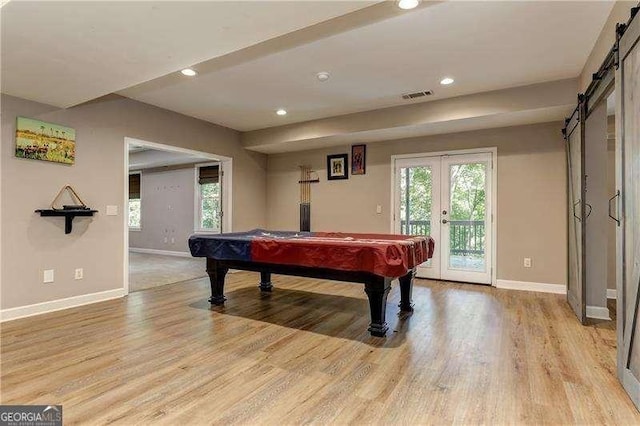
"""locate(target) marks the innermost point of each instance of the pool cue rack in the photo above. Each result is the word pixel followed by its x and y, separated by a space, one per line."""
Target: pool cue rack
pixel 305 182
pixel 69 212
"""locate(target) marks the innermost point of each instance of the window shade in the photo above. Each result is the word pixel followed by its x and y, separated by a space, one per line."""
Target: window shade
pixel 134 186
pixel 209 174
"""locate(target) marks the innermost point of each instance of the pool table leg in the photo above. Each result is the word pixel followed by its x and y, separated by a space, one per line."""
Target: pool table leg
pixel 265 281
pixel 377 289
pixel 216 277
pixel 406 288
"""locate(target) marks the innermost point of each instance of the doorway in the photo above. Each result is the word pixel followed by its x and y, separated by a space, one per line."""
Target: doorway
pixel 449 196
pixel 170 194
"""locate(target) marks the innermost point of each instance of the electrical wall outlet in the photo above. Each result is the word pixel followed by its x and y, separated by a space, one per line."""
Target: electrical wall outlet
pixel 173 240
pixel 527 262
pixel 378 209
pixel 166 240
pixel 47 276
pixel 112 210
pixel 79 274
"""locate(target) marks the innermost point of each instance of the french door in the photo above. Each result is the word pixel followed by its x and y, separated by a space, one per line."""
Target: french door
pixel 448 197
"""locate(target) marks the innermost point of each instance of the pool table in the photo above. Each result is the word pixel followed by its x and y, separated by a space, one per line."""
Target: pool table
pixel 372 259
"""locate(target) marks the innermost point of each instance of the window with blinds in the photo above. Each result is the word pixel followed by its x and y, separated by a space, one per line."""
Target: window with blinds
pixel 210 205
pixel 135 204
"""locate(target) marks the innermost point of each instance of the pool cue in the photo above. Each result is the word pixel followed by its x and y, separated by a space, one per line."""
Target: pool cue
pixel 305 199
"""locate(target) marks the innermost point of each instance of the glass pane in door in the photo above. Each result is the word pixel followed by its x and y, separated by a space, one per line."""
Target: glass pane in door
pixel 416 185
pixel 467 216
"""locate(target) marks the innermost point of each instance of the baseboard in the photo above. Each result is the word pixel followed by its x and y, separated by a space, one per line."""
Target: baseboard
pixel 531 286
pixel 58 305
pixel 162 252
pixel 598 312
pixel 612 293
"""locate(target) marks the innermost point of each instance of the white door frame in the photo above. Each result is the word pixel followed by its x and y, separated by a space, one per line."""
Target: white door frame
pixel 226 166
pixel 494 194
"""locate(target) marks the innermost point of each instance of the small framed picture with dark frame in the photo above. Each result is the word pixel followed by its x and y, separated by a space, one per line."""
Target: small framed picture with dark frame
pixel 358 159
pixel 337 166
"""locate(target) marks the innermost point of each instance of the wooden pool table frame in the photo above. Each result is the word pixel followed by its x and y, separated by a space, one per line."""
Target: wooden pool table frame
pixel 377 287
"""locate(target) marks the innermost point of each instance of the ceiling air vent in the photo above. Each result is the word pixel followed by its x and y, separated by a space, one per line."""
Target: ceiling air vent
pixel 417 94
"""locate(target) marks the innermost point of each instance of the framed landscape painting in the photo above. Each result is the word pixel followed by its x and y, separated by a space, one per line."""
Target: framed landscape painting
pixel 38 140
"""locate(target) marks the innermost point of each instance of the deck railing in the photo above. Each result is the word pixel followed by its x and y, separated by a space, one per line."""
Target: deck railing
pixel 466 236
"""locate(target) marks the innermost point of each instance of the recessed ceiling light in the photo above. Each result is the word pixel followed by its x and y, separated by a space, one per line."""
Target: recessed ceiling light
pixel 281 112
pixel 408 4
pixel 323 76
pixel 446 81
pixel 189 72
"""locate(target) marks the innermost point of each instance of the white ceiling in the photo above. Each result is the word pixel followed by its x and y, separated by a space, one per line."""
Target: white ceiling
pixel 484 45
pixel 257 56
pixel 66 53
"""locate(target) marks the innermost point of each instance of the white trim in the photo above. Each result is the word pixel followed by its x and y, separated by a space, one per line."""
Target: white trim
pixel 492 149
pixel 227 195
pixel 598 312
pixel 494 195
pixel 612 293
pixel 163 147
pixel 125 218
pixel 60 304
pixel 531 286
pixel 162 252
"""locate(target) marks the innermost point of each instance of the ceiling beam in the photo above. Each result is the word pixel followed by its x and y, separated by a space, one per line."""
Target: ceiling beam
pixel 520 105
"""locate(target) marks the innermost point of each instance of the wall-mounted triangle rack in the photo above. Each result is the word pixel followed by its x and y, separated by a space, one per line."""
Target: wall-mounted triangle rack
pixel 69 212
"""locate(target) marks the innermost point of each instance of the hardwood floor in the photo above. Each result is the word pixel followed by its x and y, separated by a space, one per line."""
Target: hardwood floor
pixel 468 355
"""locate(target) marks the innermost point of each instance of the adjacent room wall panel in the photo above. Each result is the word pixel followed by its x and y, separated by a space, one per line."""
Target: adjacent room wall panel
pixel 167 210
pixel 31 244
pixel 531 207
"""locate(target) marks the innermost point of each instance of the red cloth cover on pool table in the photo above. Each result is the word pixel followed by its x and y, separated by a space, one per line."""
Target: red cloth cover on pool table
pixel 381 254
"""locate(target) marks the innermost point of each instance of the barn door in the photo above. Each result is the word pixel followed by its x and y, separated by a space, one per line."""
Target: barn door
pixel 574 136
pixel 628 139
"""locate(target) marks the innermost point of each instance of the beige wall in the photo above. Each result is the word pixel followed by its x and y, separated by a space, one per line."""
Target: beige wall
pixel 31 244
pixel 531 194
pixel 605 41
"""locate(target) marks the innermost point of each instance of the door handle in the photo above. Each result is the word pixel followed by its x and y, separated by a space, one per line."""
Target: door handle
pixel 610 200
pixel 588 213
pixel 574 211
pixel 445 221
